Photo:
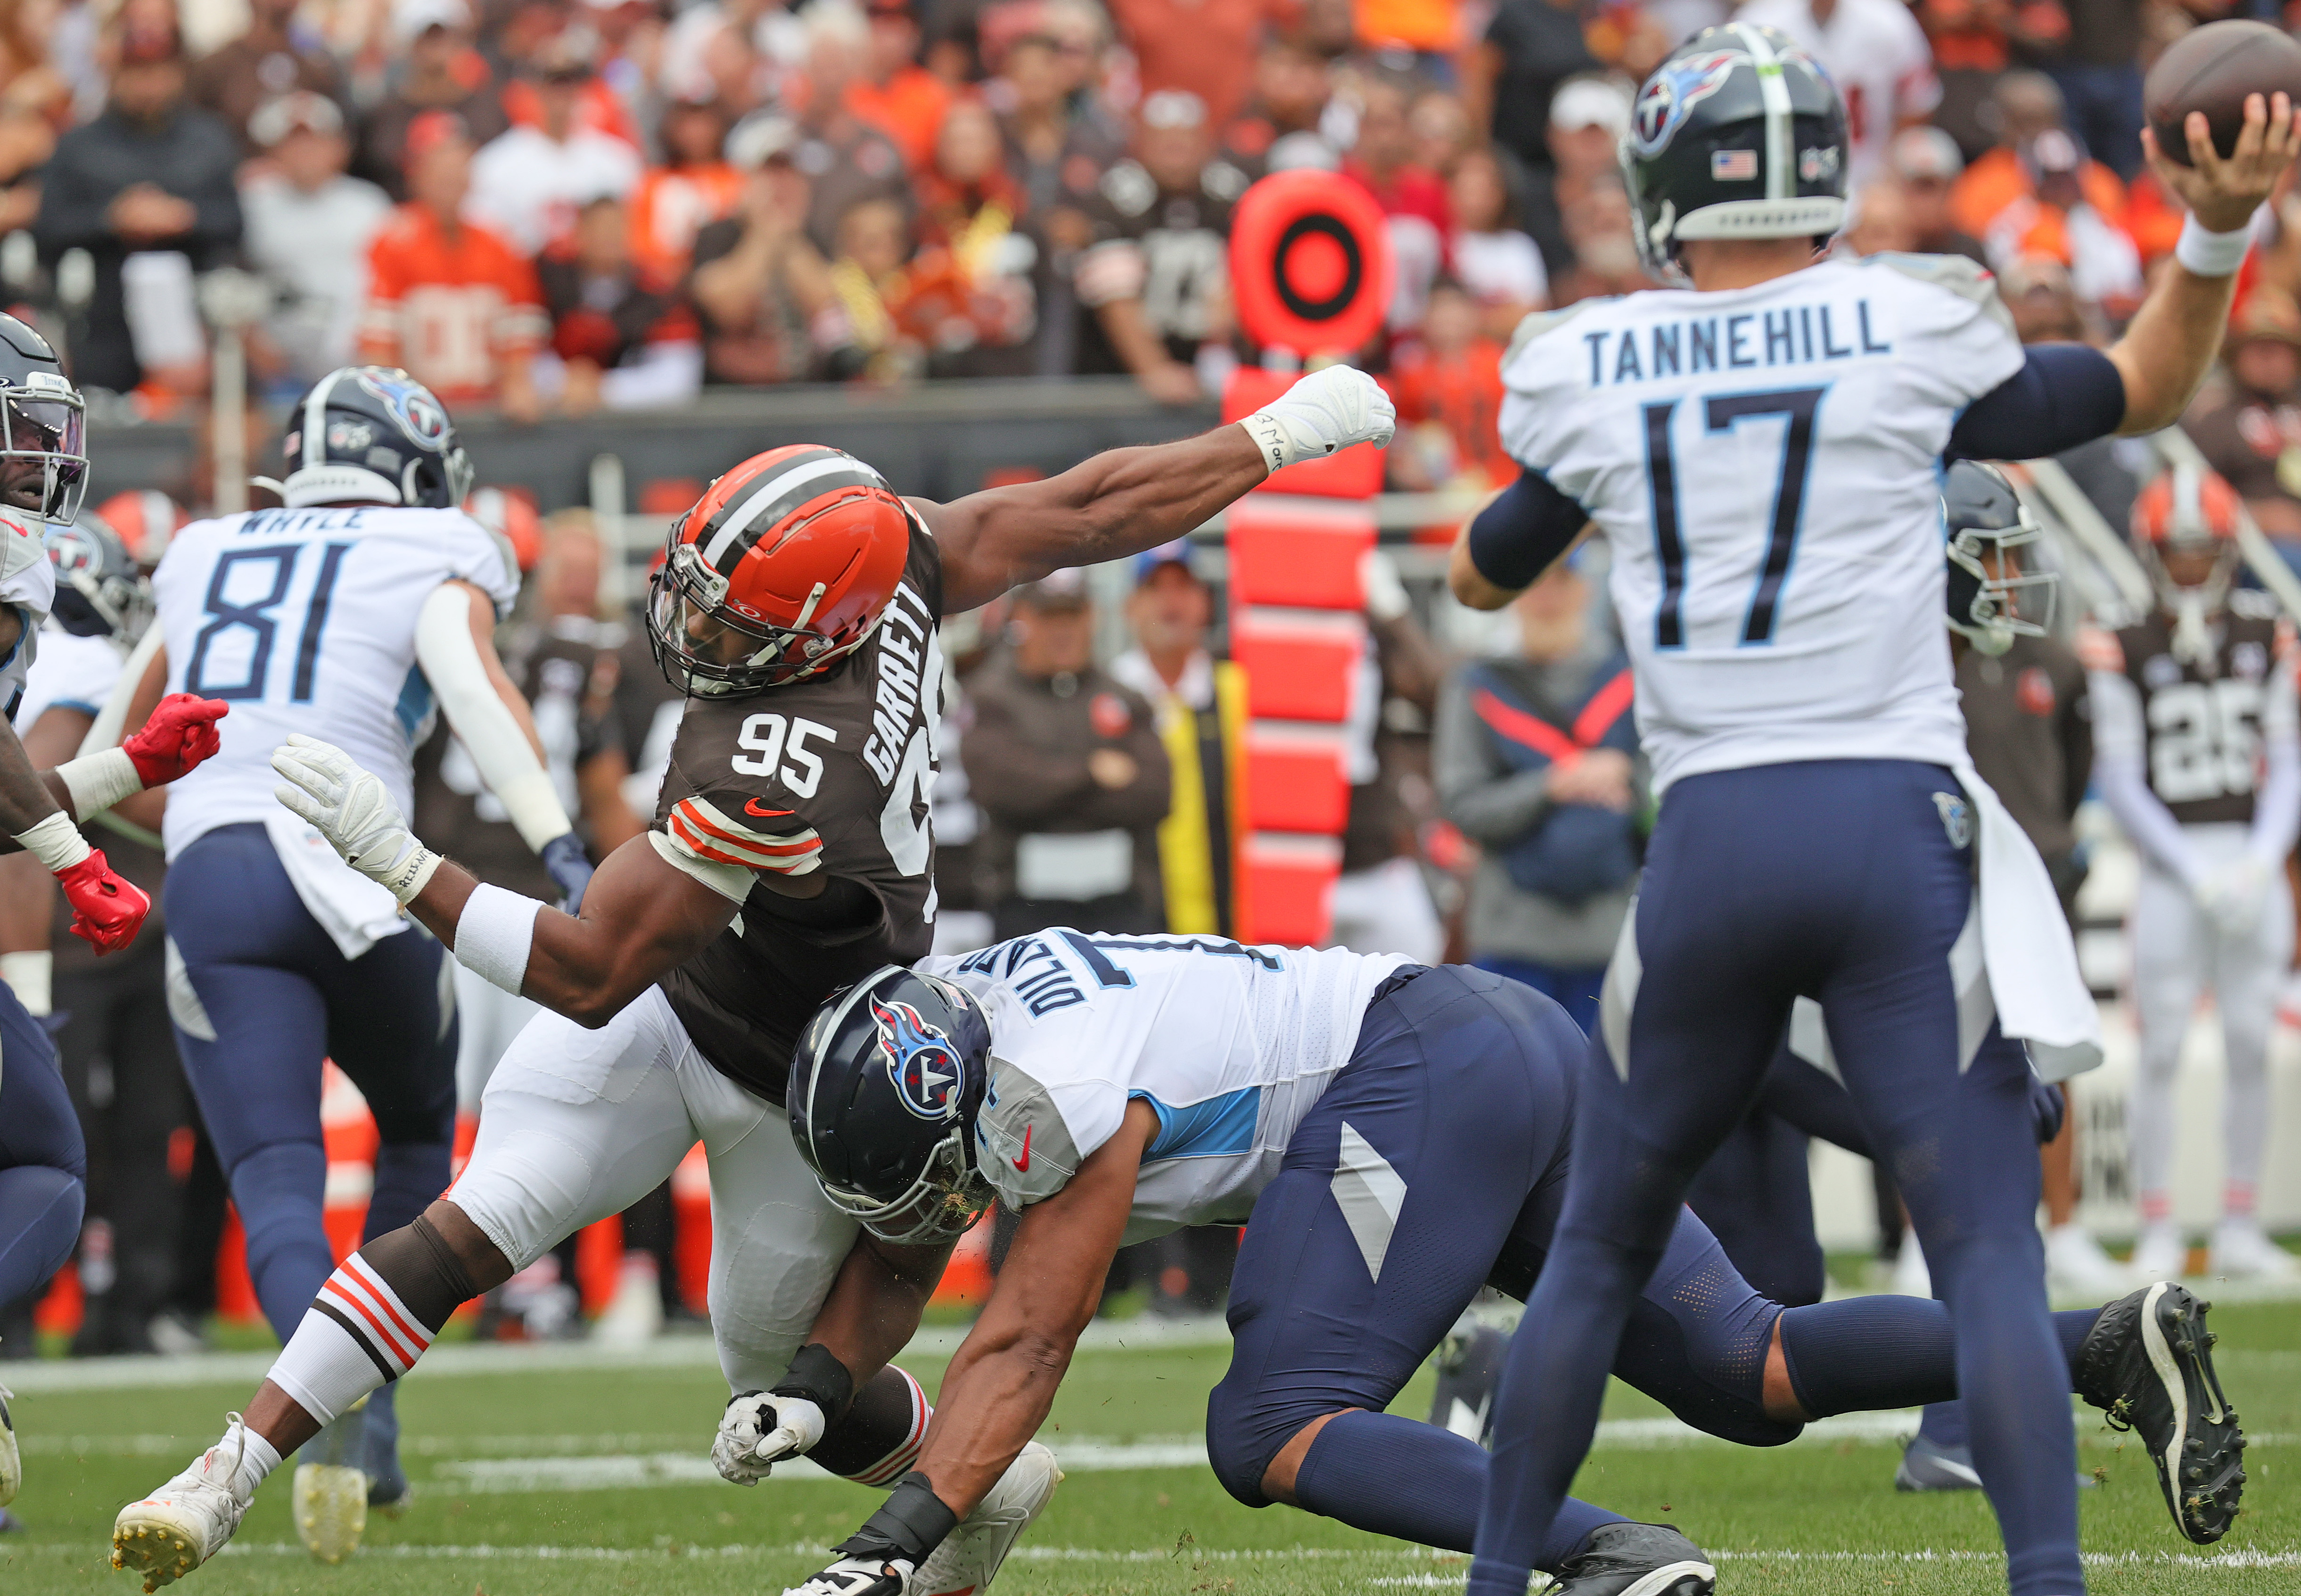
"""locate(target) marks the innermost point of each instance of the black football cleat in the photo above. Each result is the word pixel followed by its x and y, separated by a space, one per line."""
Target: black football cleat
pixel 2148 1364
pixel 1635 1559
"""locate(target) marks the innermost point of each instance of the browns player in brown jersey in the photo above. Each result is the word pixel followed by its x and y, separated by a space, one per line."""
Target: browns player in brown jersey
pixel 796 607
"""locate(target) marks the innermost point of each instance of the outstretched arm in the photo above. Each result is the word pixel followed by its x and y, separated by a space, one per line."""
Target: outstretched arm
pixel 1127 500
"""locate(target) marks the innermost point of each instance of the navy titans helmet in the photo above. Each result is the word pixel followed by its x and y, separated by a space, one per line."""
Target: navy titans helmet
pixel 373 435
pixel 884 1087
pixel 100 592
pixel 1992 600
pixel 1739 134
pixel 43 429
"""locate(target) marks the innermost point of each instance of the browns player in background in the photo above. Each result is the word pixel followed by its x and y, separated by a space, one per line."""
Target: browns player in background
pixel 792 854
pixel 2197 756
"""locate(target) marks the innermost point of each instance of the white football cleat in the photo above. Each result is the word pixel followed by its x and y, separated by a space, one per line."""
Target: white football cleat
pixel 187 1520
pixel 969 1557
pixel 12 1465
pixel 2161 1253
pixel 2076 1264
pixel 331 1510
pixel 2240 1251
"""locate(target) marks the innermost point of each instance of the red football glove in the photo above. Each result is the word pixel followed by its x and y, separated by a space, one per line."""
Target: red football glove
pixel 181 733
pixel 106 910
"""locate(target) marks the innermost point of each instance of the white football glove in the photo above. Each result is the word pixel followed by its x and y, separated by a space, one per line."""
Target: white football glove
pixel 2234 895
pixel 758 1430
pixel 348 807
pixel 1327 409
pixel 858 1576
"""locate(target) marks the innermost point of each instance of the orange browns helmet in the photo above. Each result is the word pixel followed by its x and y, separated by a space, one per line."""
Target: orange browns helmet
pixel 2187 508
pixel 782 567
pixel 510 513
pixel 146 519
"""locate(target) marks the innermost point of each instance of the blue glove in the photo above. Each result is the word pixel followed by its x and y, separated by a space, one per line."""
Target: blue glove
pixel 564 859
pixel 2048 1107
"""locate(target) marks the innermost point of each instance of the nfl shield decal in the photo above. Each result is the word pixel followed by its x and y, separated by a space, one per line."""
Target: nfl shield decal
pixel 925 1075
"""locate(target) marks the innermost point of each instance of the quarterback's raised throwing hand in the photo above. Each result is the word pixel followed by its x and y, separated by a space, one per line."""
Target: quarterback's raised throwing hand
pixel 348 807
pixel 1326 411
pixel 2223 193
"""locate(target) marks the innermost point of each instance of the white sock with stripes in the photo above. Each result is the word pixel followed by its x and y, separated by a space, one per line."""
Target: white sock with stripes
pixel 357 1336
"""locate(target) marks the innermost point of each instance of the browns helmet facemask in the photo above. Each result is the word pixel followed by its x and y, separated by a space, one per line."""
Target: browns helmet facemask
pixel 782 567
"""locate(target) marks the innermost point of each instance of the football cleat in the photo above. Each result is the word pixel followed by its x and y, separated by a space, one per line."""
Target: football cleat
pixel 187 1520
pixel 1929 1465
pixel 2148 1364
pixel 857 1576
pixel 12 1464
pixel 1635 1559
pixel 331 1510
pixel 969 1557
pixel 2241 1251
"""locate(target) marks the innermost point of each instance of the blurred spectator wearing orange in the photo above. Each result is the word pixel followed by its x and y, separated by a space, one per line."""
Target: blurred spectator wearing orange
pixel 309 228
pixel 622 336
pixel 895 94
pixel 2019 197
pixel 1204 50
pixel 1879 57
pixel 1448 387
pixel 2248 422
pixel 439 71
pixel 846 159
pixel 447 299
pixel 972 292
pixel 758 282
pixel 529 183
pixel 277 53
pixel 696 186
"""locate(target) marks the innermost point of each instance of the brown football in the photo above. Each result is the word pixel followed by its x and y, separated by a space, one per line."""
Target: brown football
pixel 2212 69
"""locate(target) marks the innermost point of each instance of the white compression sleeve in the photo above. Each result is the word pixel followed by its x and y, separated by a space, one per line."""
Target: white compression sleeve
pixel 495 934
pixel 97 781
pixel 2277 804
pixel 506 760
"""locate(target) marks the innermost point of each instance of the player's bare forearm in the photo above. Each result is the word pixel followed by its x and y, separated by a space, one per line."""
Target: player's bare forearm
pixel 2177 333
pixel 27 796
pixel 1117 503
pixel 1001 1382
pixel 876 1304
pixel 641 918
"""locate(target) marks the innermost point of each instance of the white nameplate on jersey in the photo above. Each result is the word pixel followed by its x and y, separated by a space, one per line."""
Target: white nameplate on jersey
pixel 1817 334
pixel 1074 866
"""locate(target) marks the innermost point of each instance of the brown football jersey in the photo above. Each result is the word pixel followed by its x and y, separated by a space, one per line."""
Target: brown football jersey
pixel 2204 726
pixel 829 775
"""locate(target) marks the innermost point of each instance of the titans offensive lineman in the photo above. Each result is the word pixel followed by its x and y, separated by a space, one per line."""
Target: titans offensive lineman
pixel 1395 1136
pixel 365 600
pixel 791 854
pixel 1762 452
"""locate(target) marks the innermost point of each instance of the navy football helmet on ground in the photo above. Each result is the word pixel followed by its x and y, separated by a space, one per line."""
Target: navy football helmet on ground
pixel 100 592
pixel 373 435
pixel 1739 134
pixel 884 1089
pixel 1992 598
pixel 43 429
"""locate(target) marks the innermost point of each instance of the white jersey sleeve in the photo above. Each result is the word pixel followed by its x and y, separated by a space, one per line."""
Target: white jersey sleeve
pixel 1957 333
pixel 72 673
pixel 28 587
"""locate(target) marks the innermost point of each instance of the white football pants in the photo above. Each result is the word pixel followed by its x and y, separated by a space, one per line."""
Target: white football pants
pixel 578 1125
pixel 2177 954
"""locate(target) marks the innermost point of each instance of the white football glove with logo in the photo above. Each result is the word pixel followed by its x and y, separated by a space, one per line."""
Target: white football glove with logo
pixel 1327 409
pixel 758 1430
pixel 347 804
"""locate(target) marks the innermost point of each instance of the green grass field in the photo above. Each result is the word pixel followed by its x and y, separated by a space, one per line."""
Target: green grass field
pixel 576 1481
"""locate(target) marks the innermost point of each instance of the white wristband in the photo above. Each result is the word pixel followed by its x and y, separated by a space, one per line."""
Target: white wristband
pixel 406 876
pixel 55 842
pixel 100 781
pixel 1270 438
pixel 494 934
pixel 2209 254
pixel 28 974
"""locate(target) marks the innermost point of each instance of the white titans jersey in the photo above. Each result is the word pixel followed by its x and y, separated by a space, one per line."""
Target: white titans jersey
pixel 72 673
pixel 1764 463
pixel 28 586
pixel 1230 1044
pixel 304 621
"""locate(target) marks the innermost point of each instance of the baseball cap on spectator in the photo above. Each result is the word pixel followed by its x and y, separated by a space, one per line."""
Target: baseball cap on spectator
pixel 1590 102
pixel 1147 563
pixel 1925 156
pixel 2053 153
pixel 566 59
pixel 1064 590
pixel 1174 108
pixel 411 20
pixel 275 119
pixel 428 132
pixel 762 137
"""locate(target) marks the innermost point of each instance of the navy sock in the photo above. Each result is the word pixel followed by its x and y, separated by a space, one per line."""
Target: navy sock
pixel 1546 1408
pixel 40 1209
pixel 1398 1476
pixel 279 1191
pixel 1866 1353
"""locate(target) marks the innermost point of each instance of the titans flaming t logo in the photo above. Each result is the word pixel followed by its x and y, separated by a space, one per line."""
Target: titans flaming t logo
pixel 919 1061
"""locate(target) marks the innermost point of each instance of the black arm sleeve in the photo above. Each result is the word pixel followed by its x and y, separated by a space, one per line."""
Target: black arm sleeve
pixel 1515 539
pixel 2064 395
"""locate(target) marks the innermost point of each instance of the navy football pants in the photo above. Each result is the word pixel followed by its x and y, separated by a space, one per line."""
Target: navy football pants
pixel 43 1160
pixel 1435 1163
pixel 1836 880
pixel 276 995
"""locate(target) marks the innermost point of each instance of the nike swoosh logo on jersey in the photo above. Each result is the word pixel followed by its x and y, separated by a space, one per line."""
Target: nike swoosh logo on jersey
pixel 1023 1165
pixel 751 807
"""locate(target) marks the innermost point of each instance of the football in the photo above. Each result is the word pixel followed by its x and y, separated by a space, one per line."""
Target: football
pixel 2213 69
